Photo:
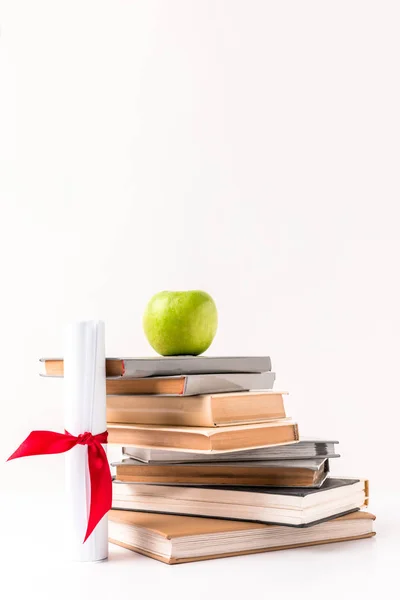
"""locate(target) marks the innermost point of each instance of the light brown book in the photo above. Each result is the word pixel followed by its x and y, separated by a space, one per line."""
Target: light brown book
pixel 297 473
pixel 204 439
pixel 147 385
pixel 211 410
pixel 175 539
pixel 54 367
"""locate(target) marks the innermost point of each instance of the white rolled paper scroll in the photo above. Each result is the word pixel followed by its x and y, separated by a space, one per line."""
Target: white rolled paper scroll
pixel 84 411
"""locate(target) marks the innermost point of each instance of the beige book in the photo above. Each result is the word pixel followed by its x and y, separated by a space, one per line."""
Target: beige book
pixel 176 539
pixel 204 439
pixel 299 507
pixel 210 410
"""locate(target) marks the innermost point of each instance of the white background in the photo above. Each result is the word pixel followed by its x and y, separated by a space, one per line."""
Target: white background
pixel 247 148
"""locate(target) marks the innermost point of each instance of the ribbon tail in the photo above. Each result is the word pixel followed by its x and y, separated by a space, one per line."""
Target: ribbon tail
pixel 44 442
pixel 100 486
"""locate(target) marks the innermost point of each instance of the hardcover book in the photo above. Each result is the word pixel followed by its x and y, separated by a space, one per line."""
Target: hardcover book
pixel 285 473
pixel 298 507
pixel 211 410
pixel 205 439
pixel 192 385
pixel 169 365
pixel 173 539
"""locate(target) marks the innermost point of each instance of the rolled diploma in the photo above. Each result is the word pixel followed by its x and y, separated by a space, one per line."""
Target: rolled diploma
pixel 84 410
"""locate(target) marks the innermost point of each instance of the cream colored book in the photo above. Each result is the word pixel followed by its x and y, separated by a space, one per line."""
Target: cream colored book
pixel 175 539
pixel 210 410
pixel 204 439
pixel 298 507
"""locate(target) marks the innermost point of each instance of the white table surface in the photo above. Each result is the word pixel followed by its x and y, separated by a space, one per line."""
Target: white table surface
pixel 32 564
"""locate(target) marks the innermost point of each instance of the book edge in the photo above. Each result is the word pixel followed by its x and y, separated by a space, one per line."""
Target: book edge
pixel 172 561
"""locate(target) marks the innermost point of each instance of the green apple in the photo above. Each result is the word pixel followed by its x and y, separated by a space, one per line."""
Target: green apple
pixel 177 323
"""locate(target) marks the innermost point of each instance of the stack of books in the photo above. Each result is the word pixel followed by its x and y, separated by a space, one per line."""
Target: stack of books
pixel 211 466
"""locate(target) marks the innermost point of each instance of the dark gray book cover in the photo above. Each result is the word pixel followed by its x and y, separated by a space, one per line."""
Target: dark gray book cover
pixel 311 524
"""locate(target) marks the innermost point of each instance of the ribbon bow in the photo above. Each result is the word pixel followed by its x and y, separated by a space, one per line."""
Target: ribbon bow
pixel 51 442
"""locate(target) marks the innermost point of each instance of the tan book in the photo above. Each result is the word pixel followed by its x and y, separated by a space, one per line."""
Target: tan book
pixel 210 410
pixel 204 439
pixel 175 539
pixel 297 473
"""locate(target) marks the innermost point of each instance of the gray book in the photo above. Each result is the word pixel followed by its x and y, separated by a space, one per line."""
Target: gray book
pixel 219 383
pixel 192 385
pixel 305 448
pixel 130 368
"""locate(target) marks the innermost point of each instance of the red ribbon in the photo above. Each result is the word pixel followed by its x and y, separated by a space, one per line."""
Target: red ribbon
pixel 51 442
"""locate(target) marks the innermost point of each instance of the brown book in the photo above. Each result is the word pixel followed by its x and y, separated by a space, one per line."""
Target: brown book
pixel 204 439
pixel 210 410
pixel 147 385
pixel 301 473
pixel 175 539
